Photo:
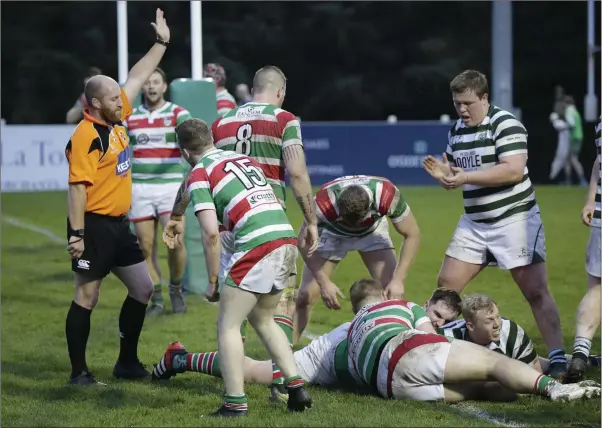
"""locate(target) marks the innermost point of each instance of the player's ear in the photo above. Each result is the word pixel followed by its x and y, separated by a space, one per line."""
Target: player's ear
pixel 96 103
pixel 469 326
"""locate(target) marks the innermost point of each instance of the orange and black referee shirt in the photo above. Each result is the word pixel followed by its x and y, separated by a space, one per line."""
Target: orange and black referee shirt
pixel 99 157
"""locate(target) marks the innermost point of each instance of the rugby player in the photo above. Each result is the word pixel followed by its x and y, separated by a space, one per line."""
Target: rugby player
pixel 322 362
pixel 487 156
pixel 98 232
pixel 229 188
pixel 271 136
pixel 156 176
pixel 225 100
pixel 394 350
pixel 588 313
pixel 483 325
pixel 351 214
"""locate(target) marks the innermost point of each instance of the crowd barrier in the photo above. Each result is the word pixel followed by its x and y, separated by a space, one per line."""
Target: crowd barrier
pixel 33 156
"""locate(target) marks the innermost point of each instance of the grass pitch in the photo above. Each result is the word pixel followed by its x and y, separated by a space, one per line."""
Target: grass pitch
pixel 37 290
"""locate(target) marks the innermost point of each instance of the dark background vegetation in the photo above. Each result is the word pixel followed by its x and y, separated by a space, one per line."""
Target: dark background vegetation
pixel 344 60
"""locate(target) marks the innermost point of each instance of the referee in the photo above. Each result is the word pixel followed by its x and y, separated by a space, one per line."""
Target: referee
pixel 100 194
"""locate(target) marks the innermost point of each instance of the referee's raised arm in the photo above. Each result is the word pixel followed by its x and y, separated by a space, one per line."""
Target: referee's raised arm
pixel 149 62
pixel 100 195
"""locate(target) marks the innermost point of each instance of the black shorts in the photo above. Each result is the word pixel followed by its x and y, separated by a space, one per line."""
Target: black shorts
pixel 108 243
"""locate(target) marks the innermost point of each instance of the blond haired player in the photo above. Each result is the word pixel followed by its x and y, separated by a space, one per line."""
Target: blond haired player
pixel 394 350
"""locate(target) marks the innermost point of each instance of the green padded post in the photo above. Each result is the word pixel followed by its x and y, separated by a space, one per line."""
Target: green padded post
pixel 198 97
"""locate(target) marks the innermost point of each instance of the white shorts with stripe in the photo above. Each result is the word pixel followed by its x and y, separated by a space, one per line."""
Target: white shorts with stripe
pixel 518 241
pixel 261 270
pixel 412 367
pixel 593 252
pixel 334 247
pixel 150 201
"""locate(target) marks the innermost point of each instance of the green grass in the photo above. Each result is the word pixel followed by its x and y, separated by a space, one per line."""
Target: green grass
pixel 37 290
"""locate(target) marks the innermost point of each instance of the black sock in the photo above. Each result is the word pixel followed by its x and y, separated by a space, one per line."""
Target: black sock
pixel 131 320
pixel 77 330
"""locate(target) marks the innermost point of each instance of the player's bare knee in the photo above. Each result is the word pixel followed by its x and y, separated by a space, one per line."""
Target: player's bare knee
pixel 306 298
pixel 86 297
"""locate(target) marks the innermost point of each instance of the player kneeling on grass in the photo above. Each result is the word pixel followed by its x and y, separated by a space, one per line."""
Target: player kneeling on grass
pixel 393 349
pixel 229 188
pixel 351 213
pixel 323 362
pixel 483 325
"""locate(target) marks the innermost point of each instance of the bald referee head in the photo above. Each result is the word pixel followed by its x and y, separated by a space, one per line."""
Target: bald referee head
pixel 103 94
pixel 269 85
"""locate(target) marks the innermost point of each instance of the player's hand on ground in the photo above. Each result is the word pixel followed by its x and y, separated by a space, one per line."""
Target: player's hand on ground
pixel 587 214
pixel 172 233
pixel 457 179
pixel 329 293
pixel 395 290
pixel 212 292
pixel 160 26
pixel 75 247
pixel 437 168
pixel 308 239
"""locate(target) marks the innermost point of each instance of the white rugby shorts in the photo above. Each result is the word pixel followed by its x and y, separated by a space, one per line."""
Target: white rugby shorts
pixel 150 201
pixel 335 247
pixel 513 244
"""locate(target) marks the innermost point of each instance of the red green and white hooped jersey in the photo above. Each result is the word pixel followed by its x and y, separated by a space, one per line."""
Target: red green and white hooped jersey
pixel 261 131
pixel 225 102
pixel 372 328
pixel 385 200
pixel 156 157
pixel 235 187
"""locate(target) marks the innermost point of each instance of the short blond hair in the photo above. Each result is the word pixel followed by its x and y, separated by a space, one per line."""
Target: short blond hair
pixel 475 303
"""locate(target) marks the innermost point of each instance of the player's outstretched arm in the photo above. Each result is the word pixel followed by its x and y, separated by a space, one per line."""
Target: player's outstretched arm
pixel 408 228
pixel 294 162
pixel 149 62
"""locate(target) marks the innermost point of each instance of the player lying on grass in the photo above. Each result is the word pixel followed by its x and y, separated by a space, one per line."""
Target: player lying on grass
pixel 322 362
pixel 351 214
pixel 394 350
pixel 483 325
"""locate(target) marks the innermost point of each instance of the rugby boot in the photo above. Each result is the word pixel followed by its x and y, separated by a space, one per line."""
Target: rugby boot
pixel 576 370
pixel 298 399
pixel 573 391
pixel 165 369
pixel 278 394
pixel 84 379
pixel 224 412
pixel 557 370
pixel 155 309
pixel 131 371
pixel 178 305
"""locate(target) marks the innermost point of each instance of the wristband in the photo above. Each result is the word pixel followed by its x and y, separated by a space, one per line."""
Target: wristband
pixel 161 42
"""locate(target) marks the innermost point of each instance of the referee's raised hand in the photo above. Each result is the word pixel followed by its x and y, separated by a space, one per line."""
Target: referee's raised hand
pixel 160 26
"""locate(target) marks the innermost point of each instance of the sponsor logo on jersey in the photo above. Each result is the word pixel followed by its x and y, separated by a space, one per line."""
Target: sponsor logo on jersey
pixel 142 139
pixel 123 162
pixel 261 197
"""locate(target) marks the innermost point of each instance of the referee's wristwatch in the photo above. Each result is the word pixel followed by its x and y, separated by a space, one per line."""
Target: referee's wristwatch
pixel 78 232
pixel 161 42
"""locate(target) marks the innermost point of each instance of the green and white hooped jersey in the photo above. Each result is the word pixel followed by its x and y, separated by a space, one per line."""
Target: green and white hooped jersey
pixel 235 187
pixel 385 201
pixel 372 328
pixel 513 343
pixel 598 206
pixel 481 147
pixel 156 157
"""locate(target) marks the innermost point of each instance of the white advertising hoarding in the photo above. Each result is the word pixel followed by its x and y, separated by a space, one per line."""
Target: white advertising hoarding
pixel 33 157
